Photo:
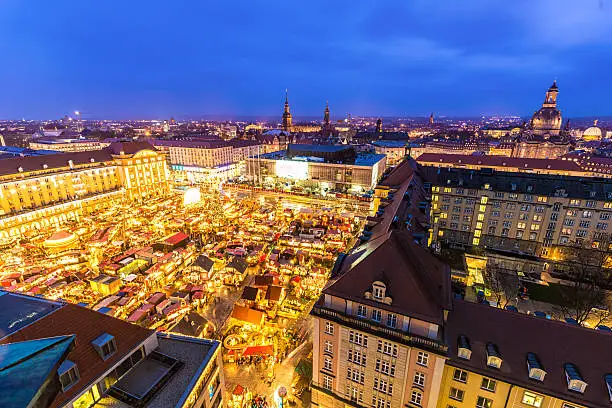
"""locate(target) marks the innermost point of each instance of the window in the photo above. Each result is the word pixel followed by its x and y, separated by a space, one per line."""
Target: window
pixel 483 402
pixel 329 328
pixel 380 403
pixel 376 315
pixel 68 374
pixel 383 386
pixel 327 382
pixel 391 320
pixel 416 397
pixel 329 347
pixel 422 358
pixel 488 384
pixel 385 367
pixel 388 348
pixel 355 375
pixel 327 364
pixel 105 346
pixel 379 292
pixel 358 338
pixel 532 399
pixel 357 357
pixel 362 311
pixel 456 394
pixel 460 375
pixel 419 379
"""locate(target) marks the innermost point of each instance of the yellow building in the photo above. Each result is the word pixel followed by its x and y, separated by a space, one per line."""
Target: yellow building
pixel 47 190
pixel 499 358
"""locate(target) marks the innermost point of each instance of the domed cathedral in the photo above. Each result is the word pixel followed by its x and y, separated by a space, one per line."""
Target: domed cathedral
pixel 547 120
pixel 592 133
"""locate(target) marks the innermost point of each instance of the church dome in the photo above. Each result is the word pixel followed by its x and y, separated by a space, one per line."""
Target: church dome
pixel 546 120
pixel 592 133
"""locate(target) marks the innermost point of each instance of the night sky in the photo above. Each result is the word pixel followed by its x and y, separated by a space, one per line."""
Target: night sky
pixel 153 59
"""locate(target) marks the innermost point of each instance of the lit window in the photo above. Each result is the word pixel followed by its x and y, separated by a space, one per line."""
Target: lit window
pixel 327 364
pixel 329 328
pixel 532 399
pixel 327 382
pixel 329 347
pixel 483 402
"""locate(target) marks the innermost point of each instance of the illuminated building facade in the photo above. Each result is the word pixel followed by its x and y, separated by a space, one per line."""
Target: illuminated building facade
pixel 395 150
pixel 374 343
pixel 111 362
pixel 46 190
pixel 527 216
pixel 387 334
pixel 66 145
pixel 317 166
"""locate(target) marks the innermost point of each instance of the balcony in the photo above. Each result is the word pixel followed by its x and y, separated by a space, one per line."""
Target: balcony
pixel 374 329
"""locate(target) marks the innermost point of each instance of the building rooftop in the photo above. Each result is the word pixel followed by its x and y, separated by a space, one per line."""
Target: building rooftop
pixel 52 161
pixel 18 311
pixel 87 325
pixel 500 161
pixel 516 335
pixel 362 159
pixel 403 266
pixel 589 188
pixel 28 367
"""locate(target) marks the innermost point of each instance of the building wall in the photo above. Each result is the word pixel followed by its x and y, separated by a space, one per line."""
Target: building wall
pixel 545 150
pixel 67 146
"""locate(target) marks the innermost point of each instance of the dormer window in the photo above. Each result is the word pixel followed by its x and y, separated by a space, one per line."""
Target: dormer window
pixel 574 379
pixel 494 359
pixel 463 348
pixel 68 374
pixel 378 293
pixel 105 345
pixel 535 369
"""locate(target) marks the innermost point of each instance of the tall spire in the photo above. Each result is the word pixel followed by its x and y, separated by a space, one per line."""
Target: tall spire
pixel 326 115
pixel 287 120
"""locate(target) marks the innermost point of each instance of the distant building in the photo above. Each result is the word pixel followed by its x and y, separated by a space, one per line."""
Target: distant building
pixel 395 150
pixel 325 167
pixel 547 120
pixel 49 189
pixel 66 144
pixel 287 120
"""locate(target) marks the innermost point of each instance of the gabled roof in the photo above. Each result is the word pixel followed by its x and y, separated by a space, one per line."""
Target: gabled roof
pixel 246 314
pixel 238 263
pixel 250 293
pixel 417 282
pixel 204 262
pixel 87 325
pixel 27 368
pixel 515 335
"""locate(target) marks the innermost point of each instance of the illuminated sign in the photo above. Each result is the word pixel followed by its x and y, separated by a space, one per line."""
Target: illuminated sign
pixel 292 169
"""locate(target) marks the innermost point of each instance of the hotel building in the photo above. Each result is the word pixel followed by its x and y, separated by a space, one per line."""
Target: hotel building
pixel 114 363
pixel 67 144
pixel 46 190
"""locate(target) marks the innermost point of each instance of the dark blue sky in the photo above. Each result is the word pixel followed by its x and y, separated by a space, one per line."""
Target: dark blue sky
pixel 153 59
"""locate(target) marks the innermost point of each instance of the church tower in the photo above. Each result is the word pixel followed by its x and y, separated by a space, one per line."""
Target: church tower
pixel 326 115
pixel 551 96
pixel 431 119
pixel 287 121
pixel 379 125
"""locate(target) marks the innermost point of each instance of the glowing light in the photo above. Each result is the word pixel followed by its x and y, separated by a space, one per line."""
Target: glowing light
pixel 192 196
pixel 292 169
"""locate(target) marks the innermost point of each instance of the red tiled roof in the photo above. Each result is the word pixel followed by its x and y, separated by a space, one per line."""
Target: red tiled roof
pixel 52 161
pixel 405 268
pixel 87 325
pixel 176 238
pixel 553 342
pixel 499 161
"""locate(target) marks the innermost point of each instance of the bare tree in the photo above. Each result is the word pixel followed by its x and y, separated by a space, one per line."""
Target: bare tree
pixel 502 282
pixel 583 298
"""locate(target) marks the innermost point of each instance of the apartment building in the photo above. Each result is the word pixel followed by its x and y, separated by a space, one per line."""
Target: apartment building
pixel 112 363
pixel 375 344
pixel 542 216
pixel 499 358
pixel 66 144
pixel 45 190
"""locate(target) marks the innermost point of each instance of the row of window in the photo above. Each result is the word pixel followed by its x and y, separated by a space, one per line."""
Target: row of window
pixel 376 315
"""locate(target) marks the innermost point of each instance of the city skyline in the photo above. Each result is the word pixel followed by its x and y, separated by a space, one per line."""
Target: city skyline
pixel 380 60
